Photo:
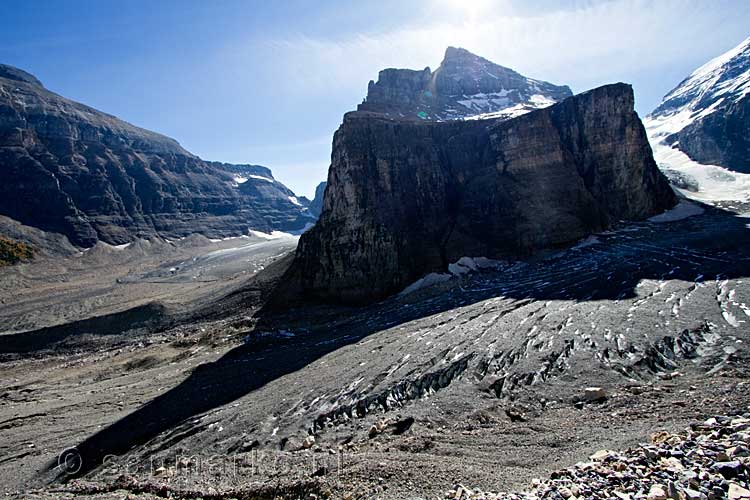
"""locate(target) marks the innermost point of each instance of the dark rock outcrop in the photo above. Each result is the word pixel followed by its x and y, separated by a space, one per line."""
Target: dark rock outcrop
pixel 464 85
pixel 71 169
pixel 721 138
pixel 316 205
pixel 405 198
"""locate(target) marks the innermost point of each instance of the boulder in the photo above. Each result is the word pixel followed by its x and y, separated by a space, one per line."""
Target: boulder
pixel 657 492
pixel 593 394
pixel 737 492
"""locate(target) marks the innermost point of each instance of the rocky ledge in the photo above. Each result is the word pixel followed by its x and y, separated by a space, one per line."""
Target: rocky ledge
pixel 407 198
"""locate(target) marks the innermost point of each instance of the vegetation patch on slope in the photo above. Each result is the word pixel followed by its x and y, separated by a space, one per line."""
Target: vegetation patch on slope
pixel 12 252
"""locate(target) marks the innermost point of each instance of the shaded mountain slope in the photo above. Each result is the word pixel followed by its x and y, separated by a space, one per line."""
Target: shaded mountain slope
pixel 71 169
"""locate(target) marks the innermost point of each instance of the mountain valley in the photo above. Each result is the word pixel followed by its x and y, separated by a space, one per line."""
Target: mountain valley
pixel 483 372
pixel 496 281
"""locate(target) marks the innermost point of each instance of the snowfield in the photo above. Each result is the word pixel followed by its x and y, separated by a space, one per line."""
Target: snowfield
pixel 714 183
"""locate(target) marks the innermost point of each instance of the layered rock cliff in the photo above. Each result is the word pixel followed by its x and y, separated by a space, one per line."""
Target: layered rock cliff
pixel 463 86
pixel 406 198
pixel 71 169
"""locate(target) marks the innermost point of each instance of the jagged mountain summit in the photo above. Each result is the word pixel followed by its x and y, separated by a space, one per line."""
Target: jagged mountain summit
pixel 407 197
pixel 465 86
pixel 71 169
pixel 705 120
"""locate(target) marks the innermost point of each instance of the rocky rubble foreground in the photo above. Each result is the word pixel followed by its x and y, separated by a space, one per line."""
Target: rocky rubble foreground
pixel 708 461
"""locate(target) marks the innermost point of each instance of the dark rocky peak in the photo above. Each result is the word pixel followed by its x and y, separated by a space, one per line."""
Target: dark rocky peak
pixel 258 183
pixel 464 86
pixel 407 197
pixel 246 171
pixel 316 205
pixel 19 75
pixel 464 73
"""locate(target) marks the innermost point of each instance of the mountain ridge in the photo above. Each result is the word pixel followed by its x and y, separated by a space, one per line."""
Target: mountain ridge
pixel 72 169
pixel 464 86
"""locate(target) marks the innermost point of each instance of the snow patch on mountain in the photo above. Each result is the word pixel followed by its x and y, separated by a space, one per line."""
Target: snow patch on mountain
pixel 683 210
pixel 464 86
pixel 260 177
pixel 273 235
pixel 482 106
pixel 708 90
pixel 507 113
pixel 462 266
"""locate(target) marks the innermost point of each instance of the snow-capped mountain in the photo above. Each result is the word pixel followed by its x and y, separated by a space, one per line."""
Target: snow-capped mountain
pixel 701 131
pixel 465 86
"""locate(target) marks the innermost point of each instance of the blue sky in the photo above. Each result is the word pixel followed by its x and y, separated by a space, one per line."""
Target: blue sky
pixel 268 82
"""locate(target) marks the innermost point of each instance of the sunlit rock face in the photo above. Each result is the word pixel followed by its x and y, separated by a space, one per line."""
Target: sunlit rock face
pixel 71 169
pixel 406 198
pixel 465 86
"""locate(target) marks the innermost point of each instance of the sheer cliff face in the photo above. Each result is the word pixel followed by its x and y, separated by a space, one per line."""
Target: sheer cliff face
pixel 464 86
pixel 71 169
pixel 406 198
